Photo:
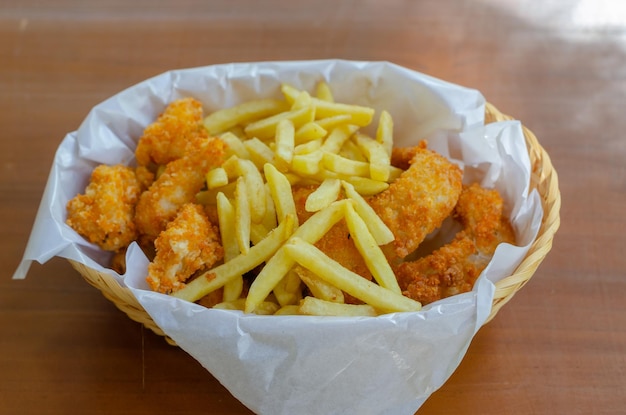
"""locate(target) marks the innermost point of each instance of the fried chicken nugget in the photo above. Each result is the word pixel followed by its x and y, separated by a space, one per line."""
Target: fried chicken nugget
pixel 177 185
pixel 104 214
pixel 166 139
pixel 419 200
pixel 188 244
pixel 454 268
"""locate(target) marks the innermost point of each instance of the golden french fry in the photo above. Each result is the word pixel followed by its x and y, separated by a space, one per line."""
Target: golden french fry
pixel 366 186
pixel 330 123
pixel 290 93
pixel 208 197
pixel 324 267
pixel 288 290
pixel 384 132
pixel 379 230
pixel 317 307
pixel 323 92
pixel 307 164
pixel 338 136
pixel 222 274
pixel 266 128
pixel 309 132
pixel 303 100
pixel 308 147
pixel 279 265
pixel 287 310
pixel 351 151
pixel 318 287
pixel 255 189
pixel 216 177
pixel 280 190
pixel 243 220
pixel 361 116
pixel 324 195
pixel 224 119
pixel 376 153
pixel 234 145
pixel 341 165
pixel 259 152
pixel 370 251
pixel 226 217
pixel 283 152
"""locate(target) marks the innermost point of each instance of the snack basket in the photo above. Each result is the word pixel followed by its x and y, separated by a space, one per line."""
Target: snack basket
pixel 544 179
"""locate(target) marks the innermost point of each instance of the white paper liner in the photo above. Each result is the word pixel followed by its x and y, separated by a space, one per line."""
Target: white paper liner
pixel 295 364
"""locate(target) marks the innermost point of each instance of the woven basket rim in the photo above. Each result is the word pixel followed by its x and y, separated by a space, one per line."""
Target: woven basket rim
pixel 543 178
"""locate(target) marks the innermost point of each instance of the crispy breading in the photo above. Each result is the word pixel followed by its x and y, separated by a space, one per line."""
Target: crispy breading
pixel 188 244
pixel 177 185
pixel 417 202
pixel 166 139
pixel 104 213
pixel 454 268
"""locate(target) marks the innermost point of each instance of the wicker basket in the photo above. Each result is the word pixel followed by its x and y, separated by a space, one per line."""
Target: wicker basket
pixel 544 179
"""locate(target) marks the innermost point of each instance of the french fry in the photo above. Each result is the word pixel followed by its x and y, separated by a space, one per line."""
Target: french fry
pixel 266 128
pixel 323 92
pixel 288 290
pixel 290 93
pixel 226 217
pixel 243 220
pixel 224 119
pixel 324 267
pixel 287 310
pixel 384 132
pixel 307 164
pixel 280 264
pixel 280 190
pixel 283 151
pixel 361 116
pixel 309 132
pixel 308 147
pixel 234 145
pixel 334 121
pixel 318 287
pixel 303 100
pixel 338 136
pixel 222 274
pixel 216 177
pixel 370 251
pixel 208 197
pixel 381 232
pixel 377 155
pixel 324 195
pixel 259 152
pixel 318 307
pixel 255 189
pixel 341 165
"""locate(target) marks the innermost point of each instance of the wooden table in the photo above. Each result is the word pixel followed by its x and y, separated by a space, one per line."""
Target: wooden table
pixel 558 65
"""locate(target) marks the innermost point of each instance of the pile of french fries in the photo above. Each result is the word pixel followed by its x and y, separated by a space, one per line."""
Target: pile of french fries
pixel 274 144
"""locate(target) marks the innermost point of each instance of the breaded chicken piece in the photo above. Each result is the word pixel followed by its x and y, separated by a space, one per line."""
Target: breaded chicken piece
pixel 177 185
pixel 104 215
pixel 190 243
pixel 454 268
pixel 417 202
pixel 166 139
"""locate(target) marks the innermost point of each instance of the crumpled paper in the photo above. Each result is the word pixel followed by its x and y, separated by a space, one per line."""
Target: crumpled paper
pixel 297 364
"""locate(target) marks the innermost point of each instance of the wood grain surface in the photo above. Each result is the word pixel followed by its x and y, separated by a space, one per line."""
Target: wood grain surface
pixel 558 65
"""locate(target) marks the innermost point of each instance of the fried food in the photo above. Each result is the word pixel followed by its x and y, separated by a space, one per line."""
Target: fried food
pixel 189 244
pixel 454 268
pixel 177 185
pixel 167 138
pixel 104 215
pixel 417 202
pixel 337 242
